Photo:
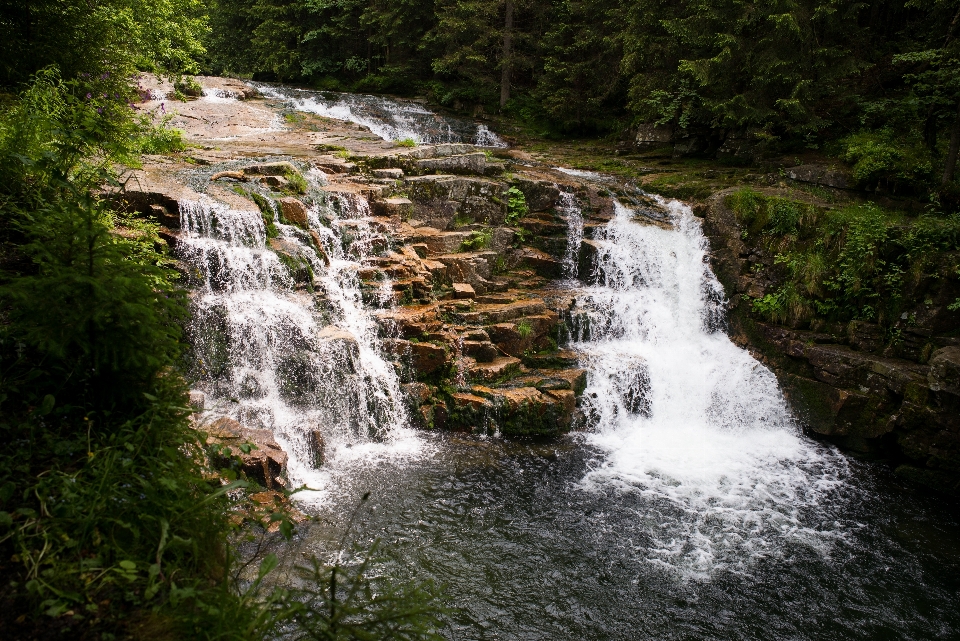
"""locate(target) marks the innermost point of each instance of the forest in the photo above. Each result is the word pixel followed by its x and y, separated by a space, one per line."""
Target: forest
pixel 874 84
pixel 91 310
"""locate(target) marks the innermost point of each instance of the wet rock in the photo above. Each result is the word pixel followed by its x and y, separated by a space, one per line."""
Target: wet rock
pixel 197 399
pixel 540 195
pixel 317 447
pixel 587 260
pixel 482 351
pixel 944 372
pixel 275 182
pixel 294 211
pixel 265 462
pixel 427 358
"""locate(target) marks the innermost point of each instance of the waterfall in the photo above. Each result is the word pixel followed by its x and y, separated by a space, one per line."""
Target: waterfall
pixel 275 355
pixel 389 119
pixel 683 416
pixel 569 210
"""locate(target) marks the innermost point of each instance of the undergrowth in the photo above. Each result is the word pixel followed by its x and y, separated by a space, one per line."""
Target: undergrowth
pixel 111 524
pixel 854 262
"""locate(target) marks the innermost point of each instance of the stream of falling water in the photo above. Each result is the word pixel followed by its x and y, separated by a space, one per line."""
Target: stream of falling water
pixel 684 416
pixel 279 357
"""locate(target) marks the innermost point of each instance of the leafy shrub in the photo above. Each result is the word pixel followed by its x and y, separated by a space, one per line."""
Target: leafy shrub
pixel 879 157
pixel 188 86
pixel 407 142
pixel 516 206
pixel 478 240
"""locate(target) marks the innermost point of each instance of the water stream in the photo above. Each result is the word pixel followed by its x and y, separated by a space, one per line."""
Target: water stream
pixel 277 356
pixel 695 509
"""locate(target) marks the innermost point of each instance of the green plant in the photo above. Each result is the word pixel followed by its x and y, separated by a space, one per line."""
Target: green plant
pixel 407 142
pixel 298 184
pixel 188 86
pixel 516 206
pixel 524 328
pixel 160 138
pixel 480 239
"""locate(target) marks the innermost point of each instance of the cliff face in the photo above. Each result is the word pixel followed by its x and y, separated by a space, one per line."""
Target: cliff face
pixel 849 383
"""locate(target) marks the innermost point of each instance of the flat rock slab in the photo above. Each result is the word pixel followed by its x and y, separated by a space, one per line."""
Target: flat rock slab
pixel 463 290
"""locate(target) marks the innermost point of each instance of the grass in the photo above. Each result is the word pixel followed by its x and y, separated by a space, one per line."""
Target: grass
pixel 407 142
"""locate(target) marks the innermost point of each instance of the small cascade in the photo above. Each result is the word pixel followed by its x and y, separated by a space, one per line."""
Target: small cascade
pixel 389 119
pixel 684 416
pixel 570 210
pixel 286 344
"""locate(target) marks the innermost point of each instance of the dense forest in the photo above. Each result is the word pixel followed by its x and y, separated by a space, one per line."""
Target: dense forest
pixel 90 307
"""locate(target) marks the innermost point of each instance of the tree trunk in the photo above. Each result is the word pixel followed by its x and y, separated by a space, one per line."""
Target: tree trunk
pixel 950 165
pixel 507 44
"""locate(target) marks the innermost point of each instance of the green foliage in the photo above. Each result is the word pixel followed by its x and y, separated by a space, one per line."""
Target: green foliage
pixel 478 240
pixel 877 157
pixel 516 206
pixel 298 184
pixel 114 37
pixel 407 142
pixel 849 263
pixel 524 328
pixel 160 138
pixel 188 86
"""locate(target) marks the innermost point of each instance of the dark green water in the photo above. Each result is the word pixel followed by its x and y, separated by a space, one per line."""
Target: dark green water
pixel 525 553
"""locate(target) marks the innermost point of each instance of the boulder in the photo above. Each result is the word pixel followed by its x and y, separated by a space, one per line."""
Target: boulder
pixel 401 208
pixel 821 175
pixel 427 358
pixel 294 211
pixel 540 195
pixel 944 374
pixel 389 173
pixel 265 462
pixel 651 136
pixel 475 163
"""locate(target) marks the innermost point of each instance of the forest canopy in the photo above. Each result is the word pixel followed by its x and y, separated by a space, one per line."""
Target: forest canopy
pixel 877 83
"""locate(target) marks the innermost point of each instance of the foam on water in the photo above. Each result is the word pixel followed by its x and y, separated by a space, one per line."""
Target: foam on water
pixel 289 361
pixel 686 417
pixel 389 119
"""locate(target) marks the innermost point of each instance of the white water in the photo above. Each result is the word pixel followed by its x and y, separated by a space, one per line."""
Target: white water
pixel 569 210
pixel 280 358
pixel 389 119
pixel 684 416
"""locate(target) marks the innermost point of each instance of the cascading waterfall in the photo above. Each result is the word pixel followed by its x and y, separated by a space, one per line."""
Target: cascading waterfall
pixel 281 358
pixel 389 119
pixel 684 416
pixel 569 210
